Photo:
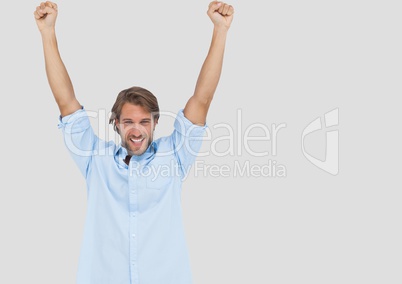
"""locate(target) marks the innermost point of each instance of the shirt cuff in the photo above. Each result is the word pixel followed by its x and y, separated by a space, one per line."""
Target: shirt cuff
pixel 76 122
pixel 186 128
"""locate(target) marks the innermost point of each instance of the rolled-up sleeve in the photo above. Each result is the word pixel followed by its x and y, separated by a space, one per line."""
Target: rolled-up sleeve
pixel 79 138
pixel 187 140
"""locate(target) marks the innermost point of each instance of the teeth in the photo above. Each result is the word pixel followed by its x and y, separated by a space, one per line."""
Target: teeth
pixel 138 140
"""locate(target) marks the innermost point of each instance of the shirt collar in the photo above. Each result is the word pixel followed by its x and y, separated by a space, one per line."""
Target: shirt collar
pixel 121 153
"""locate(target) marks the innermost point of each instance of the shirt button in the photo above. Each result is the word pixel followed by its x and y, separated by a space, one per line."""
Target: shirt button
pixel 133 214
pixel 133 235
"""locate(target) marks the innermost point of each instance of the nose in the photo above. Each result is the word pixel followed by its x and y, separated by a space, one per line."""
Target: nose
pixel 136 132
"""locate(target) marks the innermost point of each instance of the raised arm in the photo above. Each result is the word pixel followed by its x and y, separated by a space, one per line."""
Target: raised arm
pixel 59 80
pixel 197 106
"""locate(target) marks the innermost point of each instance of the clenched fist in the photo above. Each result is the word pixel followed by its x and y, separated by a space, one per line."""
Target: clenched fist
pixel 221 14
pixel 45 15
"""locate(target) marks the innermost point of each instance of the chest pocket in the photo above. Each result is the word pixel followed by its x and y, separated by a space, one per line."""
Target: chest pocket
pixel 158 182
pixel 161 174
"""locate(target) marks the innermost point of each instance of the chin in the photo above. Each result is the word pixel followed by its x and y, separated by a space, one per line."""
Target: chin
pixel 137 153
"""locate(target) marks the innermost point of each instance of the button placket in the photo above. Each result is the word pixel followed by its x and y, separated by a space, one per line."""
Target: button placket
pixel 133 199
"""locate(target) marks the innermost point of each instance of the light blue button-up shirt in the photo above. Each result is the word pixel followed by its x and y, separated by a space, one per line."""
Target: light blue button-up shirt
pixel 133 229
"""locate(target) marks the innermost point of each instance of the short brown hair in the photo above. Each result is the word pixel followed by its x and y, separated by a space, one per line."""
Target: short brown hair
pixel 136 96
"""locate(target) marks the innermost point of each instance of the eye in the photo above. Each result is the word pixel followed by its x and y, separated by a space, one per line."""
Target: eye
pixel 144 122
pixel 126 123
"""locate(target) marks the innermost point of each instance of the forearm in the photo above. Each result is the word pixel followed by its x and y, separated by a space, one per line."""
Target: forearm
pixel 57 75
pixel 210 73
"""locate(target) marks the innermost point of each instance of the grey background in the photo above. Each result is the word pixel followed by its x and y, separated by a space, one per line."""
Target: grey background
pixel 286 62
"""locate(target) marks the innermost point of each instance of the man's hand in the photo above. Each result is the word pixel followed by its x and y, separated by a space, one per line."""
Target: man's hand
pixel 45 16
pixel 221 14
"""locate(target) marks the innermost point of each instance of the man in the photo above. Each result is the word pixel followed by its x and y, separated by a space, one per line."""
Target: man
pixel 133 230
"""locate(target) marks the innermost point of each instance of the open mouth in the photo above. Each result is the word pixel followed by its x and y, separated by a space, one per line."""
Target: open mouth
pixel 137 142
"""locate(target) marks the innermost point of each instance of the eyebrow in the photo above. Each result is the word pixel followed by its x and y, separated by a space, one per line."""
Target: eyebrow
pixel 142 120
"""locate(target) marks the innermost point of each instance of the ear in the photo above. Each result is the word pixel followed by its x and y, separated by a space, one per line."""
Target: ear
pixel 116 122
pixel 155 123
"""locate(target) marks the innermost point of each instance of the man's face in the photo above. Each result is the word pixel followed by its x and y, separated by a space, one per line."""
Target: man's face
pixel 136 126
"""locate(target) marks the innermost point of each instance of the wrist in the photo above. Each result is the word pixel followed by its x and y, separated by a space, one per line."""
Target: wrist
pixel 221 29
pixel 48 32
